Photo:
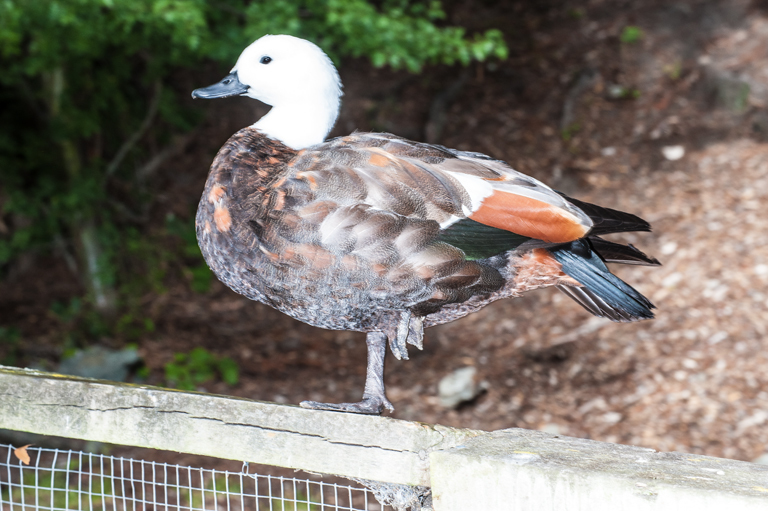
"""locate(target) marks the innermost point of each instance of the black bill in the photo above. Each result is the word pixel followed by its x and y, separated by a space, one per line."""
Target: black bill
pixel 229 86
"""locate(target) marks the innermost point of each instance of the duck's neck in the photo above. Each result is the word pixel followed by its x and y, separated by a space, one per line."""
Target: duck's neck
pixel 300 125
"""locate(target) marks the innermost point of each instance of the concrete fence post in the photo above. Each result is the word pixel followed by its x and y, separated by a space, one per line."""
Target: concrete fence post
pixel 523 470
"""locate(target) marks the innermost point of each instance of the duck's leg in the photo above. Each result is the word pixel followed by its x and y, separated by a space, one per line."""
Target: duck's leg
pixel 374 400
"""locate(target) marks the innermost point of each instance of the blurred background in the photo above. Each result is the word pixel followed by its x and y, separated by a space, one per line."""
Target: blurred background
pixel 656 107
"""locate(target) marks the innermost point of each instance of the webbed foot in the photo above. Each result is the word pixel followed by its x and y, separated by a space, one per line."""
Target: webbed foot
pixel 374 405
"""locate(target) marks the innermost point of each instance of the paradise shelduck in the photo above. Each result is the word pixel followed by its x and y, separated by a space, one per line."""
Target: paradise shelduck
pixel 374 233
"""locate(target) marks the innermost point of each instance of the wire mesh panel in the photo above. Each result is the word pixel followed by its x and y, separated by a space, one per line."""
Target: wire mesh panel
pixel 73 480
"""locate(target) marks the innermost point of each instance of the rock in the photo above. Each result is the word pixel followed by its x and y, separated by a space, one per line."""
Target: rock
pixel 673 152
pixel 460 386
pixel 100 363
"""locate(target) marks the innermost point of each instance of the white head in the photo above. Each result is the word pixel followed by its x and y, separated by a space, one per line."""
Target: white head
pixel 296 78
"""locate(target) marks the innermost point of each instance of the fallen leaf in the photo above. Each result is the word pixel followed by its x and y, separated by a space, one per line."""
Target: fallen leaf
pixel 22 454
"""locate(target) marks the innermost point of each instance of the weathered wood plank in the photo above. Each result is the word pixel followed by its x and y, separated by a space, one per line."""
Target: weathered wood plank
pixel 376 448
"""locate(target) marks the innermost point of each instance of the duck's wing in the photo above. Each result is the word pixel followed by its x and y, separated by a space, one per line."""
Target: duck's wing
pixel 467 194
pixel 424 221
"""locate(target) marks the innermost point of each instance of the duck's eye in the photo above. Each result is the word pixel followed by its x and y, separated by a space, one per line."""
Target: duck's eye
pixel 265 60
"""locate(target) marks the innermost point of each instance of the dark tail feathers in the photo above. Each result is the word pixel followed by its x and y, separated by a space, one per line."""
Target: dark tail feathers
pixel 607 220
pixel 611 252
pixel 603 294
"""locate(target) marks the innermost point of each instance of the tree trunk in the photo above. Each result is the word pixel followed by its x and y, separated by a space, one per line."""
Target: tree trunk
pixel 92 259
pixel 94 266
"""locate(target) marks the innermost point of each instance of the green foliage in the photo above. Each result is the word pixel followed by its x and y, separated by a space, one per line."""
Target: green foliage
pixel 190 370
pixel 80 323
pixel 133 327
pixel 404 35
pixel 570 131
pixel 10 340
pixel 67 312
pixel 631 34
pixel 144 260
pixel 195 270
pixel 147 258
pixel 397 33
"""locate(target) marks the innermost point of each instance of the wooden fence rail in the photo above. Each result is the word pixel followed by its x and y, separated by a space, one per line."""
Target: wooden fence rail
pixel 512 469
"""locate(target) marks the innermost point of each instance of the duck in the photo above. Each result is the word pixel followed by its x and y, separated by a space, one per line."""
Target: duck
pixel 374 233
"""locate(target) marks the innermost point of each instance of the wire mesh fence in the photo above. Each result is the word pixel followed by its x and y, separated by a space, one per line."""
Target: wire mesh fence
pixel 62 480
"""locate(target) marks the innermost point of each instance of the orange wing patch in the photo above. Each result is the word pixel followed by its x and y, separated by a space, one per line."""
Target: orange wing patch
pixel 379 157
pixel 222 218
pixel 318 257
pixel 216 193
pixel 377 160
pixel 309 178
pixel 529 217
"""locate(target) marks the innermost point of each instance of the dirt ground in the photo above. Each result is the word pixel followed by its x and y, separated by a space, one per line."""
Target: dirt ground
pixel 593 116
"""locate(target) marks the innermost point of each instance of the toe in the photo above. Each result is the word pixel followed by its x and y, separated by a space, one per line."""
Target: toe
pixel 366 406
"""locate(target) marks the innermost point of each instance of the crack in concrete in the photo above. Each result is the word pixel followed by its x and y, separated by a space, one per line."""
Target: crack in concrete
pixel 58 405
pixel 300 433
pixel 219 420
